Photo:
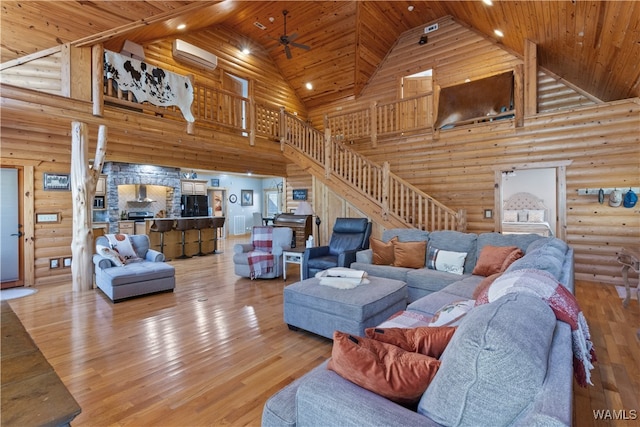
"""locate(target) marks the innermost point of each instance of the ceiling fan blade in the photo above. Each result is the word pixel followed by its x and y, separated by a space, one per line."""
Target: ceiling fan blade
pixel 293 36
pixel 287 51
pixel 301 46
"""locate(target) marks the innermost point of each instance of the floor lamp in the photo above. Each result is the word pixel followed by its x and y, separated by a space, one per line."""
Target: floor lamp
pixel 318 222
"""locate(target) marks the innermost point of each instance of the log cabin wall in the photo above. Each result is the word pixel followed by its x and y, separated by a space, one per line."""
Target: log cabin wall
pixel 36 128
pixel 601 140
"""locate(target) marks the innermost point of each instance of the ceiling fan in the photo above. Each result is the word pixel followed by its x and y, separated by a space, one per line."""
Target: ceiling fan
pixel 287 41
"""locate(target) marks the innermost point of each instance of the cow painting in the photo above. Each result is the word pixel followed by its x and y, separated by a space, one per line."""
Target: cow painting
pixel 150 83
pixel 480 98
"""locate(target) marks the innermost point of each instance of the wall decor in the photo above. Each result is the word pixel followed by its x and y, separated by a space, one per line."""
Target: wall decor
pixel 57 181
pixel 233 198
pixel 66 262
pixel 246 197
pixel 299 194
pixel 215 182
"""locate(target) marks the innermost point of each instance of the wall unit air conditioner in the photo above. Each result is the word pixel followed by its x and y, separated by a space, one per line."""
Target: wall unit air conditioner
pixel 183 51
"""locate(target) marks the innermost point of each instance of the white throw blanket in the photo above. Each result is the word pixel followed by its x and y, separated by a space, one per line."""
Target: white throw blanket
pixel 150 83
pixel 342 278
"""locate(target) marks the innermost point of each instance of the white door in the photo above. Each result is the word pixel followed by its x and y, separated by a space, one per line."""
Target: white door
pixel 9 227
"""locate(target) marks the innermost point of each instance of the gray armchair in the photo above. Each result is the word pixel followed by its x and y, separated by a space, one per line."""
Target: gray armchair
pixel 243 252
pixel 350 235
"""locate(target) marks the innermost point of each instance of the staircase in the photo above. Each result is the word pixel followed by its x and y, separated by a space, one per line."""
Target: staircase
pixel 384 197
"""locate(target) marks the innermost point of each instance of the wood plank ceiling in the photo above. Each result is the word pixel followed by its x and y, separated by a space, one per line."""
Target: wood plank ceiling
pixel 594 45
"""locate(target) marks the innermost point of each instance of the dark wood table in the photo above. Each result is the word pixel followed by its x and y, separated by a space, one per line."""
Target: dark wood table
pixel 32 394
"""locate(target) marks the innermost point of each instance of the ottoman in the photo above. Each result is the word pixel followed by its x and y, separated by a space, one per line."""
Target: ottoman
pixel 323 309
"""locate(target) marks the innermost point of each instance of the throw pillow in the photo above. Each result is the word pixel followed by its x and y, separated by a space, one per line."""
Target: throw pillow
pixel 405 319
pixel 516 254
pixel 523 216
pixel 452 262
pixel 122 244
pixel 409 254
pixel 382 368
pixel 430 341
pixel 111 255
pixel 510 215
pixel 382 252
pixel 535 215
pixel 491 259
pixel 451 314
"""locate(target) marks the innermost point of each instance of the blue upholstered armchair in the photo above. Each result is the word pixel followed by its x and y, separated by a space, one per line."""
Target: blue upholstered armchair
pixel 349 236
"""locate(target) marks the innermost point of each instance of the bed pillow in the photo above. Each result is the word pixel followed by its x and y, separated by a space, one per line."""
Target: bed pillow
pixel 535 215
pixel 382 252
pixel 523 216
pixel 409 254
pixel 449 261
pixel 111 255
pixel 451 314
pixel 430 341
pixel 510 216
pixel 491 259
pixel 382 368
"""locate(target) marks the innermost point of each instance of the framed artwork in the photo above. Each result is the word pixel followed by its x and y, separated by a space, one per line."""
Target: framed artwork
pixel 215 182
pixel 233 198
pixel 57 181
pixel 299 194
pixel 246 197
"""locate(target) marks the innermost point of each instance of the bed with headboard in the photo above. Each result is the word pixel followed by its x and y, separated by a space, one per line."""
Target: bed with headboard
pixel 524 213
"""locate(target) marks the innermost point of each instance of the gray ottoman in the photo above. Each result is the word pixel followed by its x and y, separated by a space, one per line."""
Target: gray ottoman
pixel 323 309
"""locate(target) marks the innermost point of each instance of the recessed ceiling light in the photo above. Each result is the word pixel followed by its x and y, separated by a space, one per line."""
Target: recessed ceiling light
pixel 410 8
pixel 498 33
pixel 246 51
pixel 309 86
pixel 487 2
pixel 181 26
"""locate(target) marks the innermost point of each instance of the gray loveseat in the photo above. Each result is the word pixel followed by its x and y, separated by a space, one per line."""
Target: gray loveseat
pixel 149 275
pixel 509 362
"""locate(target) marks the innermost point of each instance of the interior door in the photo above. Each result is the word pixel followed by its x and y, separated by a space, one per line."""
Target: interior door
pixel 10 229
pixel 418 112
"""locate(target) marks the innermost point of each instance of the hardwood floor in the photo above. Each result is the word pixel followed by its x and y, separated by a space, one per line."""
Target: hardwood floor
pixel 213 351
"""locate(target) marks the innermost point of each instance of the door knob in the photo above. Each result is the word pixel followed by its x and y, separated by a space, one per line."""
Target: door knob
pixel 19 234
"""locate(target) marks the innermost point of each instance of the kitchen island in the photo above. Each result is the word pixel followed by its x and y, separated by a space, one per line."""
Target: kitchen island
pixel 173 239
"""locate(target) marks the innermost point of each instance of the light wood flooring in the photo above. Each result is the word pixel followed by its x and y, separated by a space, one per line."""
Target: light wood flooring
pixel 212 352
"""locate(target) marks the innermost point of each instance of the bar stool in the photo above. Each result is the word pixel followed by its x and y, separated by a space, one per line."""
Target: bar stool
pixel 201 223
pixel 216 223
pixel 162 226
pixel 183 224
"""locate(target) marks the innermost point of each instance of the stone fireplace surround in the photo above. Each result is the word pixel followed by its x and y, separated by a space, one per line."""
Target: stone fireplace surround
pixel 132 174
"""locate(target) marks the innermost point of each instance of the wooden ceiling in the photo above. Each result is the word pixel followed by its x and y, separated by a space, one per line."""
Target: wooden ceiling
pixel 594 45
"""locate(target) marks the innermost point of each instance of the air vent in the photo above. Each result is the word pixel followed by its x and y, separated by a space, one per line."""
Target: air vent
pixel 430 28
pixel 259 25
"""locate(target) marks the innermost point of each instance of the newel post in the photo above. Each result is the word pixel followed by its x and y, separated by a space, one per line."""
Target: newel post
pixel 374 124
pixel 97 84
pixel 327 153
pixel 386 170
pixel 283 128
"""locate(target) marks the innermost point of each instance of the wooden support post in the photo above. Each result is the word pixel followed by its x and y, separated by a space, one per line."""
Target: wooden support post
pixel 252 115
pixel 530 78
pixel 97 85
pixel 374 124
pixel 283 128
pixel 83 189
pixel 518 95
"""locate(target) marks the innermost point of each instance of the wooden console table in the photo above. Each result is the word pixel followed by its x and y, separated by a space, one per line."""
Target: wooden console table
pixel 629 258
pixel 32 393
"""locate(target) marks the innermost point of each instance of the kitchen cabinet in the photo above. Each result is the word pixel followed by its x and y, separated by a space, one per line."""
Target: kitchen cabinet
pixel 192 187
pixel 126 227
pixel 101 186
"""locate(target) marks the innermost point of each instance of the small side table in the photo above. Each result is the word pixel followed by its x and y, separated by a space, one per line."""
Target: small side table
pixel 292 257
pixel 629 258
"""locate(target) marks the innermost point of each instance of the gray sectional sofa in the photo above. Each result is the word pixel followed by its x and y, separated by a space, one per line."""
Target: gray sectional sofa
pixel 510 362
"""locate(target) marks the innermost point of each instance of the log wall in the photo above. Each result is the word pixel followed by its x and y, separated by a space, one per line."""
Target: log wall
pixel 457 167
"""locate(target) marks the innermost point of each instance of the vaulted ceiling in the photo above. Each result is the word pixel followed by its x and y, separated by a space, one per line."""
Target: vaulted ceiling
pixel 594 45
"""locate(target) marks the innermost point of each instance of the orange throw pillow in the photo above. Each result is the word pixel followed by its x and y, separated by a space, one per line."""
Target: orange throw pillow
pixel 491 259
pixel 409 254
pixel 430 341
pixel 513 256
pixel 382 252
pixel 484 285
pixel 382 368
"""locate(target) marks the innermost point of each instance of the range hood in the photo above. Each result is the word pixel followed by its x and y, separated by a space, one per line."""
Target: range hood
pixel 141 194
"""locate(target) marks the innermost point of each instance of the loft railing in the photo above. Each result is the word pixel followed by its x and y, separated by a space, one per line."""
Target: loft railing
pixel 394 195
pixel 405 115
